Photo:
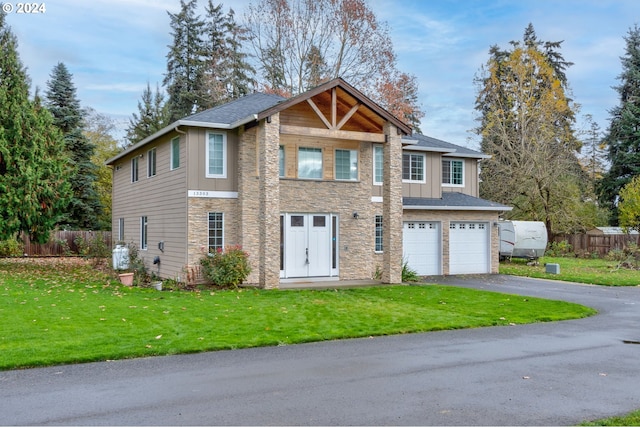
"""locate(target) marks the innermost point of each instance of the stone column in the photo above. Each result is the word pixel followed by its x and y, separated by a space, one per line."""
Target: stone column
pixel 248 202
pixel 269 199
pixel 392 206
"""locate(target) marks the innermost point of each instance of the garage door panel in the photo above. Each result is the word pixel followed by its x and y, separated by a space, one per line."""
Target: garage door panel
pixel 468 248
pixel 421 246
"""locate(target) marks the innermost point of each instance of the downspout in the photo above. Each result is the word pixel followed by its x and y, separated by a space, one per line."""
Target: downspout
pixel 186 202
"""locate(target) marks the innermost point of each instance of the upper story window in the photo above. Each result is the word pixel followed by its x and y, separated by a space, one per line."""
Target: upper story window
pixel 309 163
pixel 378 164
pixel 281 160
pixel 151 163
pixel 413 169
pixel 175 153
pixel 216 155
pixel 134 169
pixel 346 164
pixel 452 172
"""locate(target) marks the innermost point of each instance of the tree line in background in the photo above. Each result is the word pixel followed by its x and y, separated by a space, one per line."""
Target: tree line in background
pixel 52 151
pixel 542 166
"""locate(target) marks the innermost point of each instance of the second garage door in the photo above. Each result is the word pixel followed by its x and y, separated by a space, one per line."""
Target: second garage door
pixel 469 248
pixel 421 246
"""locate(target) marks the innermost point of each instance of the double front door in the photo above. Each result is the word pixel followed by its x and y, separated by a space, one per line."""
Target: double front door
pixel 310 245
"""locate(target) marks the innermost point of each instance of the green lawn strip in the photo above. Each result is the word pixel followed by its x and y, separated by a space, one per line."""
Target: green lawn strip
pixel 631 419
pixel 591 271
pixel 55 316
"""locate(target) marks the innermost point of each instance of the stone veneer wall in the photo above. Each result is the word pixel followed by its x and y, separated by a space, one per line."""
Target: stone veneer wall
pixel 198 209
pixel 445 217
pixel 392 206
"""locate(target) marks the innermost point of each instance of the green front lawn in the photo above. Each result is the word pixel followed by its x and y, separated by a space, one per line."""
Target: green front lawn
pixel 54 312
pixel 591 271
pixel 631 419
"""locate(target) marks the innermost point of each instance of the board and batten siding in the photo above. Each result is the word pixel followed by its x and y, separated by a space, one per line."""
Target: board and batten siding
pixel 470 178
pixel 161 198
pixel 432 187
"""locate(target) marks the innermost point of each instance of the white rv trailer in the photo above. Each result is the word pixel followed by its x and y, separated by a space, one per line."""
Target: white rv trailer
pixel 522 239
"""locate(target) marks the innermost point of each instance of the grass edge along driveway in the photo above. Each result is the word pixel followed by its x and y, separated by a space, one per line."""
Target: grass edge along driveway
pixel 57 313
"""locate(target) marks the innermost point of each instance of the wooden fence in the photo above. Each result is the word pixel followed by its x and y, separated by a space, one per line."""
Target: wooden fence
pixel 64 243
pixel 597 243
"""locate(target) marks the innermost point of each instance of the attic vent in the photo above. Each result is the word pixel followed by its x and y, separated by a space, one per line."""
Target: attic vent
pixel 118 167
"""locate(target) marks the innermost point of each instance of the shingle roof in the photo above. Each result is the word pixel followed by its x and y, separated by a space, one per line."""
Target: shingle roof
pixel 236 110
pixel 424 141
pixel 453 201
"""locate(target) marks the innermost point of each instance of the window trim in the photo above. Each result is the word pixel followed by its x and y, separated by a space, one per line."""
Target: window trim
pixel 314 150
pixel 375 162
pixel 135 169
pixel 215 247
pixel 144 232
pixel 172 158
pixel 378 234
pixel 335 164
pixel 224 155
pixel 424 168
pixel 282 165
pixel 451 171
pixel 152 163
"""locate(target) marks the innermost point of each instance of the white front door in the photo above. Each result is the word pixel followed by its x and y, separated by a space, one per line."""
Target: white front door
pixel 308 248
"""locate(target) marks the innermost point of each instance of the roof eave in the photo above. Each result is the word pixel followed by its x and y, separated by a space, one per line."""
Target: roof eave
pixel 174 126
pixel 459 208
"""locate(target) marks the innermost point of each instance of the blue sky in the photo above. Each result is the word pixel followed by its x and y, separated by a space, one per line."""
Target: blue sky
pixel 114 47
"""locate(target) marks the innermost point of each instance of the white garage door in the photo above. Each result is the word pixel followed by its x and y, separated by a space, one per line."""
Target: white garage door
pixel 421 246
pixel 469 247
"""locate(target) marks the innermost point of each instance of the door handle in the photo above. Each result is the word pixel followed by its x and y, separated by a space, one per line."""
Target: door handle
pixel 307 255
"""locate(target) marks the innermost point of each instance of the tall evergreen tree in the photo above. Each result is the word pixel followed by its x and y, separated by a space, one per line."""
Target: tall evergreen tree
pixel 526 126
pixel 623 135
pixel 153 115
pixel 185 69
pixel 34 190
pixel 240 74
pixel 64 105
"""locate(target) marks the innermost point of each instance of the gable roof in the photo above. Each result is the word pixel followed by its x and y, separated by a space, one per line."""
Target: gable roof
pixel 421 142
pixel 453 201
pixel 234 112
pixel 258 106
pixel 226 116
pixel 352 91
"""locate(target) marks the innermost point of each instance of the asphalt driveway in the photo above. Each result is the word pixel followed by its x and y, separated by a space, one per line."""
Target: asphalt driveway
pixel 541 374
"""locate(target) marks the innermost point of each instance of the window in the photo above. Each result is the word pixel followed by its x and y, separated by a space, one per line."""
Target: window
pixel 413 167
pixel 216 155
pixel 151 163
pixel 175 153
pixel 216 231
pixel 452 172
pixel 143 232
pixel 310 163
pixel 281 160
pixel 346 165
pixel 134 169
pixel 378 164
pixel 378 234
pixel 121 229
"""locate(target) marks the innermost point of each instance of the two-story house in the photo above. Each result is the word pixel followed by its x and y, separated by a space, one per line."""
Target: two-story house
pixel 324 185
